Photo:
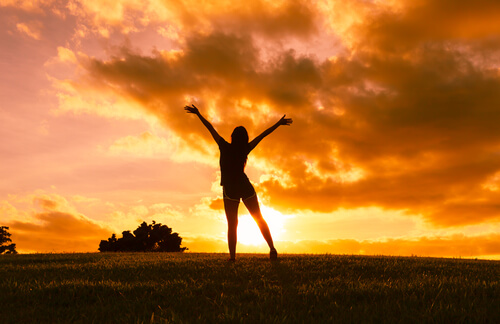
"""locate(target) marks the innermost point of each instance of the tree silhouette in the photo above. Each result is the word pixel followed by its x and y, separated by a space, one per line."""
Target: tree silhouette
pixel 146 238
pixel 5 238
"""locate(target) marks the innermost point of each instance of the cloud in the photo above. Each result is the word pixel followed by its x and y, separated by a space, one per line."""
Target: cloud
pixel 90 99
pixel 26 5
pixel 56 228
pixel 31 29
pixel 66 55
pixel 483 246
pixel 175 18
pixel 46 203
pixel 447 246
pixel 275 18
pixel 434 247
pixel 59 232
pixel 403 118
pixel 402 25
pixel 48 222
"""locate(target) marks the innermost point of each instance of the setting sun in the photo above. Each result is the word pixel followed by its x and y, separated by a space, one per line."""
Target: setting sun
pixel 249 233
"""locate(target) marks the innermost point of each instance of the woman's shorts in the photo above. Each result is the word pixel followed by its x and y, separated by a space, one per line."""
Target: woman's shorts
pixel 242 190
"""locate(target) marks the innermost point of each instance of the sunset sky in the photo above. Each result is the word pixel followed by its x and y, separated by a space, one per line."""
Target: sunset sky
pixel 394 149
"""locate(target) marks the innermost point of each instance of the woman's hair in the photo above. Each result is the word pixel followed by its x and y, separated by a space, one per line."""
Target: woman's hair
pixel 239 140
pixel 239 136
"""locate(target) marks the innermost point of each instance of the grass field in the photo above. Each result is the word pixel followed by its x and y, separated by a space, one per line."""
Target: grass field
pixel 189 287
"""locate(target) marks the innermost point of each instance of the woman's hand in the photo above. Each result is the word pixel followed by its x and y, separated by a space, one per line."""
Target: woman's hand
pixel 282 121
pixel 285 121
pixel 191 109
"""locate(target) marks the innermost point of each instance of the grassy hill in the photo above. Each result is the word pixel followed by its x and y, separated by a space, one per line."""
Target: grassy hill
pixel 189 287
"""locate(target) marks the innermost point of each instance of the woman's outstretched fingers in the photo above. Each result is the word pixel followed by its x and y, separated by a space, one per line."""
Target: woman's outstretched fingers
pixel 191 109
pixel 286 121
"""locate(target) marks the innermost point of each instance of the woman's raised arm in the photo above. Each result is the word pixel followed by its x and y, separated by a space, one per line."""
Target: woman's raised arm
pixel 193 110
pixel 282 121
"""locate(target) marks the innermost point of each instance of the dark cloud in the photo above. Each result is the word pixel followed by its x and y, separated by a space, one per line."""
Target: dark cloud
pixel 290 18
pixel 409 24
pixel 403 119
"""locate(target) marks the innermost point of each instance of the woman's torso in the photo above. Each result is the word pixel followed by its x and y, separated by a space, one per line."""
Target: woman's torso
pixel 232 162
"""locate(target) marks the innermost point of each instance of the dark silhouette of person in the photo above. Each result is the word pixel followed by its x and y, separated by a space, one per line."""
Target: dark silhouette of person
pixel 235 184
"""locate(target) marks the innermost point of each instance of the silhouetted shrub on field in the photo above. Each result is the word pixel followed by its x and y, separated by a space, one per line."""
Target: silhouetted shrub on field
pixel 5 238
pixel 146 238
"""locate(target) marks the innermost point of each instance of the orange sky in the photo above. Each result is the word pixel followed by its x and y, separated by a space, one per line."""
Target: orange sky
pixel 395 146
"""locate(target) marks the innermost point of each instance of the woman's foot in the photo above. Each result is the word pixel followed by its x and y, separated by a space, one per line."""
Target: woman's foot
pixel 231 260
pixel 273 254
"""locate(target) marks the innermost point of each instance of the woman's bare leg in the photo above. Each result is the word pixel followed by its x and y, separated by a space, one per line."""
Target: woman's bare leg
pixel 253 207
pixel 231 208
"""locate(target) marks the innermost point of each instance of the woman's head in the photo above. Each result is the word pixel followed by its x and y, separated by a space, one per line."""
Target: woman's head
pixel 239 136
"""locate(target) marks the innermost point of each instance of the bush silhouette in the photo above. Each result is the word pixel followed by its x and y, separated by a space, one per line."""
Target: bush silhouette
pixel 5 238
pixel 146 238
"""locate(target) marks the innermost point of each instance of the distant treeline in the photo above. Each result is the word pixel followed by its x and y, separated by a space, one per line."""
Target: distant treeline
pixel 146 238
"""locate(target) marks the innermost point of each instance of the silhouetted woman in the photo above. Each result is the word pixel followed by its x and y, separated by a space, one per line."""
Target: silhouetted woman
pixel 235 183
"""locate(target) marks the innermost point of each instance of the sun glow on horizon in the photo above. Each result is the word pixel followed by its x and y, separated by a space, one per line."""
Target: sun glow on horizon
pixel 249 232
